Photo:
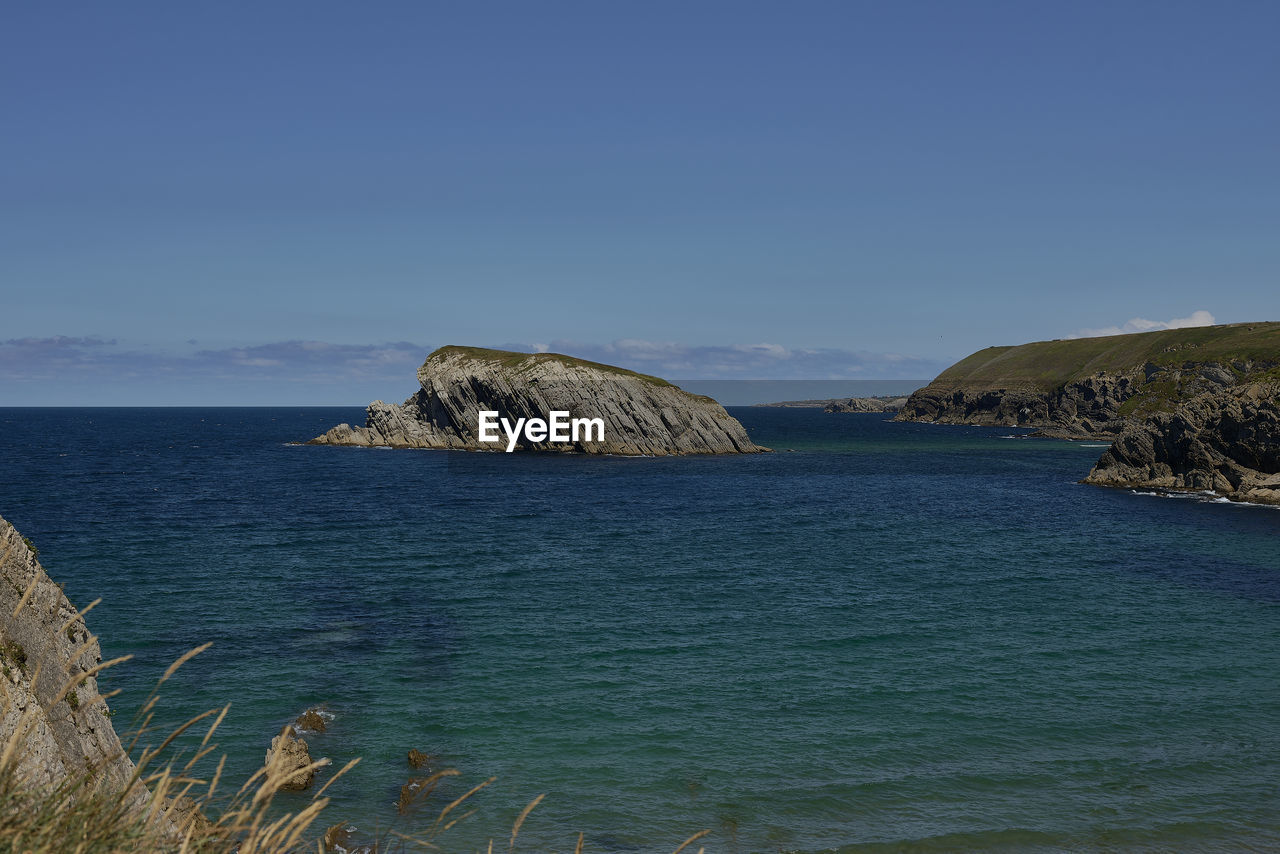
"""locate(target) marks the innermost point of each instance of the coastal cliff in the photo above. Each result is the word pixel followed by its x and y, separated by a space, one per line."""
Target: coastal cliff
pixel 642 415
pixel 1227 442
pixel 1096 387
pixel 44 647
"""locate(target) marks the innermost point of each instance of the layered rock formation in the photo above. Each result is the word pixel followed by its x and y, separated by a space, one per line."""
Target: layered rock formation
pixel 642 415
pixel 866 404
pixel 44 648
pixel 1095 387
pixel 1226 441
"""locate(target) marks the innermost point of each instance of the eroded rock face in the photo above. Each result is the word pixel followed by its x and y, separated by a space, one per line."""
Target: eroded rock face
pixel 289 756
pixel 1093 407
pixel 42 649
pixel 1226 441
pixel 642 415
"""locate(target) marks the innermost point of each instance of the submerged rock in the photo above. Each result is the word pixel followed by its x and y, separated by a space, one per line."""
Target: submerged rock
pixel 641 415
pixel 1227 442
pixel 312 720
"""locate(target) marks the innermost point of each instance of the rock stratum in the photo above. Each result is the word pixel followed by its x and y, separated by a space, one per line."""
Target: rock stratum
pixel 1227 442
pixel 643 415
pixel 1097 387
pixel 45 647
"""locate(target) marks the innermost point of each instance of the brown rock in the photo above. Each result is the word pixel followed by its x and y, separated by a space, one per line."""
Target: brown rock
pixel 311 720
pixel 289 759
pixel 337 837
pixel 418 759
pixel 187 818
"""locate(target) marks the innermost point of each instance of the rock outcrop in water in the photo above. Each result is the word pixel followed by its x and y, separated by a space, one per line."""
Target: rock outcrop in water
pixel 43 648
pixel 642 415
pixel 1227 442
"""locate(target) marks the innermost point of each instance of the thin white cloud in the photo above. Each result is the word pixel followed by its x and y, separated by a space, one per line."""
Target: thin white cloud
pixel 321 364
pixel 1141 324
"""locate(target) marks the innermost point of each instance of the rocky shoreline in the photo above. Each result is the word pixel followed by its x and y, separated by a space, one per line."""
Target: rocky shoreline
pixel 1226 442
pixel 1187 409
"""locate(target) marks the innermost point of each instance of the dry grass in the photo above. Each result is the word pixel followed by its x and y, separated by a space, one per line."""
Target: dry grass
pixel 83 816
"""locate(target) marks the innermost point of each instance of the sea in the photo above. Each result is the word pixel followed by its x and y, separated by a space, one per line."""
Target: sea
pixel 880 637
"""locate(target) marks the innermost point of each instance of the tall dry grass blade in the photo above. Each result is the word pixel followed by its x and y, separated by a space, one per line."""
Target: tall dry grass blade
pixel 183 659
pixel 217 776
pixel 208 735
pixel 80 677
pixel 79 614
pixel 31 588
pixel 515 828
pixel 578 849
pixel 18 738
pixel 444 812
pixel 466 815
pixel 345 768
pixel 691 840
pixel 180 730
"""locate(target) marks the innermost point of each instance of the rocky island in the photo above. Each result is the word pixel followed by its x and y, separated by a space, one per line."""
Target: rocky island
pixel 641 415
pixel 1187 409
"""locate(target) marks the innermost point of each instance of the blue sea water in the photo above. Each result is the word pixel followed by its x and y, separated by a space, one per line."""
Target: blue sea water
pixel 881 637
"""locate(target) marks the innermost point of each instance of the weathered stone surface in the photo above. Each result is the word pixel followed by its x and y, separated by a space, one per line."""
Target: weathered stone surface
pixel 642 415
pixel 418 759
pixel 187 818
pixel 289 757
pixel 311 721
pixel 1226 441
pixel 866 404
pixel 1089 408
pixel 43 648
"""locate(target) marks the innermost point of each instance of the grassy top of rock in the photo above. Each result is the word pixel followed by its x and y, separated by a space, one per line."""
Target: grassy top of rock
pixel 523 361
pixel 1051 364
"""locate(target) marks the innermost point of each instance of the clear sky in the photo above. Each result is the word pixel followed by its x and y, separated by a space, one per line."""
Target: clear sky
pixel 294 202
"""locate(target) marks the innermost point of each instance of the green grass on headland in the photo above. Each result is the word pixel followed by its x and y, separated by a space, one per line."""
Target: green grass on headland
pixel 1051 364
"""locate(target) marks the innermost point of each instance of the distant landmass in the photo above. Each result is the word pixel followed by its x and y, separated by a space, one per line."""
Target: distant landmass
pixel 881 403
pixel 1193 408
pixel 639 415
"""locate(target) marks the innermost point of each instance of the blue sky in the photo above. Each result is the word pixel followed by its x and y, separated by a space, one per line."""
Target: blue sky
pixel 244 203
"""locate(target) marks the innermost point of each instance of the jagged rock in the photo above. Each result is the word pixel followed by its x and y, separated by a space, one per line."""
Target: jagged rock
pixel 289 757
pixel 412 791
pixel 187 818
pixel 337 838
pixel 43 648
pixel 866 404
pixel 1226 441
pixel 642 415
pixel 418 759
pixel 311 721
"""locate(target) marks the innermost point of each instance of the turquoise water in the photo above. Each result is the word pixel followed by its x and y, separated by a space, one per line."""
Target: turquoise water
pixel 882 637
